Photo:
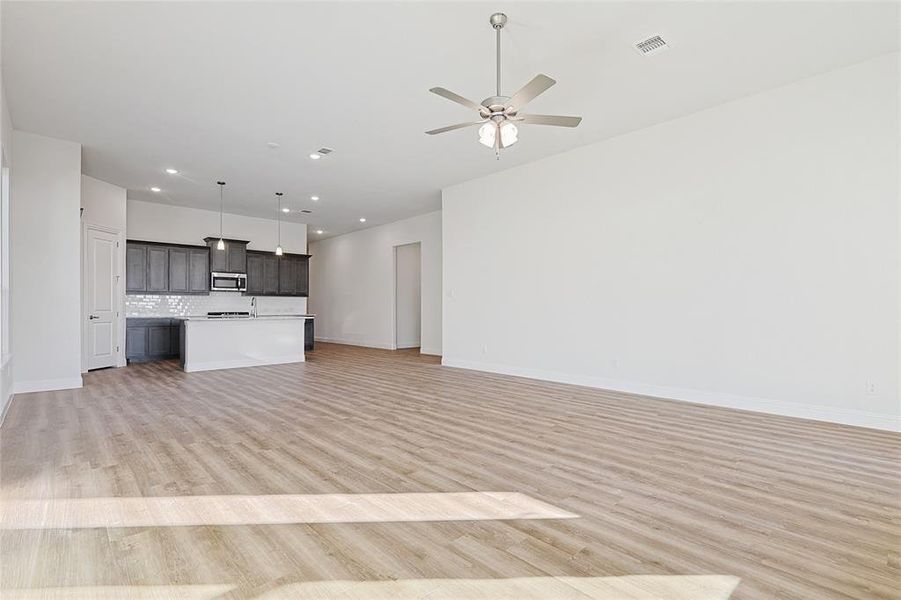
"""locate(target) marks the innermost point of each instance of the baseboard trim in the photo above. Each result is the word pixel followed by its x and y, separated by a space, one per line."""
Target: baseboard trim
pixel 46 385
pixel 346 342
pixel 6 386
pixel 379 345
pixel 843 416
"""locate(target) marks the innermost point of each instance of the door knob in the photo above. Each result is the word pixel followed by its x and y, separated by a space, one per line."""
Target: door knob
pixel 92 317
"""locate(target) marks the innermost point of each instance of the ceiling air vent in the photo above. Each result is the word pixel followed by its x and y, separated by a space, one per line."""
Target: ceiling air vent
pixel 652 45
pixel 306 211
pixel 324 151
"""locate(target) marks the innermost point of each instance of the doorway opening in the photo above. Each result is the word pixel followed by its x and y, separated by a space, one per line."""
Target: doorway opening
pixel 408 296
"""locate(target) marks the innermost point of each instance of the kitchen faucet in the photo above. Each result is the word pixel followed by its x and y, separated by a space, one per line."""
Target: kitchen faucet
pixel 253 307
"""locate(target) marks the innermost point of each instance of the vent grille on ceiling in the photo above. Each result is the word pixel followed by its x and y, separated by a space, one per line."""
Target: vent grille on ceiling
pixel 306 211
pixel 652 45
pixel 325 150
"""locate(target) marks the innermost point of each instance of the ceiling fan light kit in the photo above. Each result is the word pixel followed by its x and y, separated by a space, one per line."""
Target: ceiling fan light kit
pixel 499 113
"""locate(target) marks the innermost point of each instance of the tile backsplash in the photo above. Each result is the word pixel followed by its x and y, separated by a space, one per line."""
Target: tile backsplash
pixel 163 305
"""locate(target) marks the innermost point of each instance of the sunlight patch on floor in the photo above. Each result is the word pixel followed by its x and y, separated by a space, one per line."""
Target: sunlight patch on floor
pixel 636 587
pixel 177 511
pixel 120 592
pixel 633 587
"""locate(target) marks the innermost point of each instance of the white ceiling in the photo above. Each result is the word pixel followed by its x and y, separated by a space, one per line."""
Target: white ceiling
pixel 203 87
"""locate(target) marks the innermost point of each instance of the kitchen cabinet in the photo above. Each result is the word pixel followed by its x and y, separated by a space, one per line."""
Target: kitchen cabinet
pixel 199 271
pixel 178 270
pixel 287 276
pixel 166 268
pixel 308 335
pixel 135 267
pixel 271 275
pixel 233 259
pixel 148 339
pixel 254 274
pixel 157 269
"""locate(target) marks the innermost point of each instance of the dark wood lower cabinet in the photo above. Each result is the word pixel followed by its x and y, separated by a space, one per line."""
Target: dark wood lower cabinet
pixel 308 335
pixel 148 339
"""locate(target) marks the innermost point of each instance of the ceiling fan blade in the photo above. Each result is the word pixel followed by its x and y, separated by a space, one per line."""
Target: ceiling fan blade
pixel 456 98
pixel 538 85
pixel 555 120
pixel 452 127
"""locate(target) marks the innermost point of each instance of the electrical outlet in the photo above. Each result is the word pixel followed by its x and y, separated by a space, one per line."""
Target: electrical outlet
pixel 870 387
pixel 485 349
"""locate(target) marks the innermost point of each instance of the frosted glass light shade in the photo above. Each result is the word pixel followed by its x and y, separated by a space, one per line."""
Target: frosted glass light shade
pixel 487 133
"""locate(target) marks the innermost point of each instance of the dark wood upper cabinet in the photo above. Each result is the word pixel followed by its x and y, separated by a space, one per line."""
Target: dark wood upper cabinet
pixel 178 270
pixel 271 275
pixel 135 268
pixel 156 268
pixel 218 259
pixel 287 276
pixel 199 271
pixel 231 260
pixel 254 274
pixel 303 276
pixel 237 257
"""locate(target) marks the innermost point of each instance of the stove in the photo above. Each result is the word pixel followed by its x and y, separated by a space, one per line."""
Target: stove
pixel 228 315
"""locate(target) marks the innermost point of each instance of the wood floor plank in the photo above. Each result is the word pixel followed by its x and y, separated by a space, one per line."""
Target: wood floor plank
pixel 791 508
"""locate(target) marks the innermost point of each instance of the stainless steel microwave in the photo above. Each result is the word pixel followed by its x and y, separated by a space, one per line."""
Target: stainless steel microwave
pixel 228 282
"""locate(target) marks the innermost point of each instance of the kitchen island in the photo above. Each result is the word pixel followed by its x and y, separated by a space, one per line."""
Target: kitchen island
pixel 209 343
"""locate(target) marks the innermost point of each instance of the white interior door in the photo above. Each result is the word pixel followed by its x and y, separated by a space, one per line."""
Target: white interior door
pixel 100 302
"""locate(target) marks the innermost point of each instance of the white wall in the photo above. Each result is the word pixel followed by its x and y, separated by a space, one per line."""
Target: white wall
pixel 6 130
pixel 150 221
pixel 408 296
pixel 746 255
pixel 155 222
pixel 352 283
pixel 104 205
pixel 45 264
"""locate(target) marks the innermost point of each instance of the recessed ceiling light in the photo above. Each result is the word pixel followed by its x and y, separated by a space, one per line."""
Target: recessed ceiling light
pixel 315 156
pixel 155 189
pixel 319 231
pixel 286 210
pixel 362 219
pixel 314 198
pixel 273 145
pixel 172 171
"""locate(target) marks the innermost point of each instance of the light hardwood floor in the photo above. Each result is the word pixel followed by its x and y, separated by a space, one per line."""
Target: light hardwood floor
pixel 791 508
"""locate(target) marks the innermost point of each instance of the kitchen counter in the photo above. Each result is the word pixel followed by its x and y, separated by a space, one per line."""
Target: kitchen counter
pixel 257 318
pixel 210 343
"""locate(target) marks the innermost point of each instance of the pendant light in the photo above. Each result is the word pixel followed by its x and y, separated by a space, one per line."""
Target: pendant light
pixel 278 249
pixel 220 245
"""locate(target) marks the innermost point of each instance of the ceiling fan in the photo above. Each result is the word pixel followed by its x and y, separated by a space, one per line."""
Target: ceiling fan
pixel 499 114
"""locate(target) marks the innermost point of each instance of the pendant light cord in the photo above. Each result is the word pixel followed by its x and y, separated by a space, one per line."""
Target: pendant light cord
pixel 279 217
pixel 221 206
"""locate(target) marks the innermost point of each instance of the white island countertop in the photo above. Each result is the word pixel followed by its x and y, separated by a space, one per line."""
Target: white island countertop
pixel 249 318
pixel 210 343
